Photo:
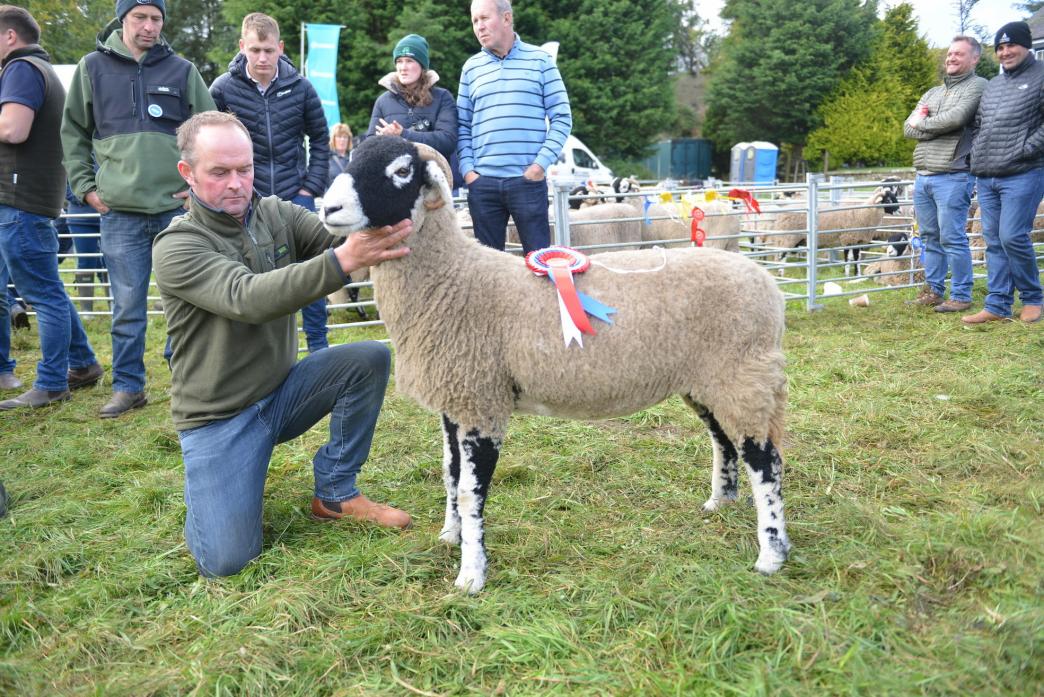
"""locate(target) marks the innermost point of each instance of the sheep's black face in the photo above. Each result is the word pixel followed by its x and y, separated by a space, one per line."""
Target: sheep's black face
pixel 897 244
pixel 889 197
pixel 381 185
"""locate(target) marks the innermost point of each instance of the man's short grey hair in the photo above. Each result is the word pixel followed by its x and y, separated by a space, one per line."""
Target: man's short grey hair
pixel 502 6
pixel 976 47
pixel 189 131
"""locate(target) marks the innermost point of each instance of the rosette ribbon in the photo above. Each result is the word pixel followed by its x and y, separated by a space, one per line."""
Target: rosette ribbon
pixel 748 199
pixel 559 264
pixel 918 247
pixel 646 202
pixel 698 233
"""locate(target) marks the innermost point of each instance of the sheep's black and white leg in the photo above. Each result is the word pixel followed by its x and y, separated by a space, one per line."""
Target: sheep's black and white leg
pixel 478 453
pixel 450 532
pixel 725 477
pixel 765 468
pixel 851 260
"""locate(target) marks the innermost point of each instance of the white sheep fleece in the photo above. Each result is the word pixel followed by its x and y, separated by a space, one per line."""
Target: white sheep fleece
pixel 472 325
pixel 477 336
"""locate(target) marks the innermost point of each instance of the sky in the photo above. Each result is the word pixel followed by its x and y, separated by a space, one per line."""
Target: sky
pixel 936 19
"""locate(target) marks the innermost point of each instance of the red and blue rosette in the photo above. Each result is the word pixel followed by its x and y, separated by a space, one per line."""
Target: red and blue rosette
pixel 559 264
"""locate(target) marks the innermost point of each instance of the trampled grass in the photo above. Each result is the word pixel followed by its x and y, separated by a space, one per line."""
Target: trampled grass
pixel 913 494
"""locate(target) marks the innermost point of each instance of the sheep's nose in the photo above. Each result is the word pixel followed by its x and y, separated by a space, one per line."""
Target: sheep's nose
pixel 329 210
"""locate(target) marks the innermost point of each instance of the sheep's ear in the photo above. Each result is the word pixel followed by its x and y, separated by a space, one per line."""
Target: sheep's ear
pixel 437 177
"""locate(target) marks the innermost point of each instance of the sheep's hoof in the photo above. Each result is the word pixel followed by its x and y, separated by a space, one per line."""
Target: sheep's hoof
pixel 470 581
pixel 768 566
pixel 771 559
pixel 450 536
pixel 712 504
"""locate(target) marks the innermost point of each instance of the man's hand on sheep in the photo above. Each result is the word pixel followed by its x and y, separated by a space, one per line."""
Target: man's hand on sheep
pixel 371 247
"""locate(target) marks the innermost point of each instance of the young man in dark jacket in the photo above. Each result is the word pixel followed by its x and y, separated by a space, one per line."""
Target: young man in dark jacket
pixel 1008 160
pixel 279 108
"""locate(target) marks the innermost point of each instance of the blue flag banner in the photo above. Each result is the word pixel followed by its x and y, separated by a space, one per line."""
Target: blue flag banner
pixel 321 66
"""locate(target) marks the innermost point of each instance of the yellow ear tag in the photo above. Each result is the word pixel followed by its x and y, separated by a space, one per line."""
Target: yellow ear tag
pixel 710 195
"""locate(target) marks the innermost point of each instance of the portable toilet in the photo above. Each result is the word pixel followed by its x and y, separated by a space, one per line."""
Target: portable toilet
pixel 753 163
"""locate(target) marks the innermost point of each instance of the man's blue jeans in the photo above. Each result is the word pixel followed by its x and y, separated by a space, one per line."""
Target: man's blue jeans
pixel 7 364
pixel 492 199
pixel 226 462
pixel 126 244
pixel 1008 206
pixel 313 316
pixel 29 250
pixel 942 202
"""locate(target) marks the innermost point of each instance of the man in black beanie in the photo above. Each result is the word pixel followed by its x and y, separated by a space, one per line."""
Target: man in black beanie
pixel 1008 160
pixel 126 100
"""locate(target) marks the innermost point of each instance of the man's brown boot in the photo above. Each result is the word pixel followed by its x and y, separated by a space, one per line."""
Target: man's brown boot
pixel 361 508
pixel 1030 313
pixel 953 306
pixel 981 317
pixel 927 297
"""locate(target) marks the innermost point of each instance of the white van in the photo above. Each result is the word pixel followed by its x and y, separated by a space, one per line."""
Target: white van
pixel 577 164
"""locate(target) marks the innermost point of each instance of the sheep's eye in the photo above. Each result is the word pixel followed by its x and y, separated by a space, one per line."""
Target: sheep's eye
pixel 402 172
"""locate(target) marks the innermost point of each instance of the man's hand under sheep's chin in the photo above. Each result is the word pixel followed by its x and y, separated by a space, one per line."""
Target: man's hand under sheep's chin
pixel 372 246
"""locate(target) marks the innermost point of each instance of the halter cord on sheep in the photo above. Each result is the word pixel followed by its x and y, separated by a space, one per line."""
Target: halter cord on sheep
pixel 465 347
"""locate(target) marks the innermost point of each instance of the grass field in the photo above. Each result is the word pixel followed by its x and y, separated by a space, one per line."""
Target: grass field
pixel 914 496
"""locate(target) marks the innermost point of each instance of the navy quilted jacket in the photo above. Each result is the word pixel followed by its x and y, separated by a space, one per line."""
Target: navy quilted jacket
pixel 1010 123
pixel 278 121
pixel 434 125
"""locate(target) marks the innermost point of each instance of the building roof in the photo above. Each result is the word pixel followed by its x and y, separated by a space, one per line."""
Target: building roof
pixel 1036 24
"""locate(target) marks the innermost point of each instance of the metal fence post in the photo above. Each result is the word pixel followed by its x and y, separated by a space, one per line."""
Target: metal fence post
pixel 560 204
pixel 812 181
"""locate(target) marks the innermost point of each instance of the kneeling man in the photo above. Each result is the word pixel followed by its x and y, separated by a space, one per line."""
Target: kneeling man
pixel 232 272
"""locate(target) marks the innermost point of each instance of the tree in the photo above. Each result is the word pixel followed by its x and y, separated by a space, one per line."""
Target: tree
pixel 1031 6
pixel 863 119
pixel 694 43
pixel 779 61
pixel 194 29
pixel 964 24
pixel 616 59
pixel 68 27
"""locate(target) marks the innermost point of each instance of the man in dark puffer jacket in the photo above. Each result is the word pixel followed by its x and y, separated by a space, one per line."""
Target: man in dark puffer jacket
pixel 1008 159
pixel 279 107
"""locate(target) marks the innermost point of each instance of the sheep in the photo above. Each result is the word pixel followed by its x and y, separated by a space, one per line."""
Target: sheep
pixel 625 185
pixel 721 223
pixel 841 228
pixel 477 336
pixel 605 223
pixel 896 268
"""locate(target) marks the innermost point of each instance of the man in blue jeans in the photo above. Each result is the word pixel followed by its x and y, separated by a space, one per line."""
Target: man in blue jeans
pixel 231 273
pixel 1008 162
pixel 125 101
pixel 31 195
pixel 279 107
pixel 511 128
pixel 941 124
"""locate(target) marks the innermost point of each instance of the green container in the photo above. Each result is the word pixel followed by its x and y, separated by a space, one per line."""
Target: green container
pixel 681 158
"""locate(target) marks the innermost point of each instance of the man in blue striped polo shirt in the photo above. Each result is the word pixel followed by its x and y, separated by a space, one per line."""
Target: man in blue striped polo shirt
pixel 514 119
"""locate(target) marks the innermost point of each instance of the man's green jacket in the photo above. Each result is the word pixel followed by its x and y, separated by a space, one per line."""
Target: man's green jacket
pixel 229 293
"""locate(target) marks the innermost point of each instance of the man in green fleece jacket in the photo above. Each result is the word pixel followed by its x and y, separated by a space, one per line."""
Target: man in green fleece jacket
pixel 232 272
pixel 125 102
